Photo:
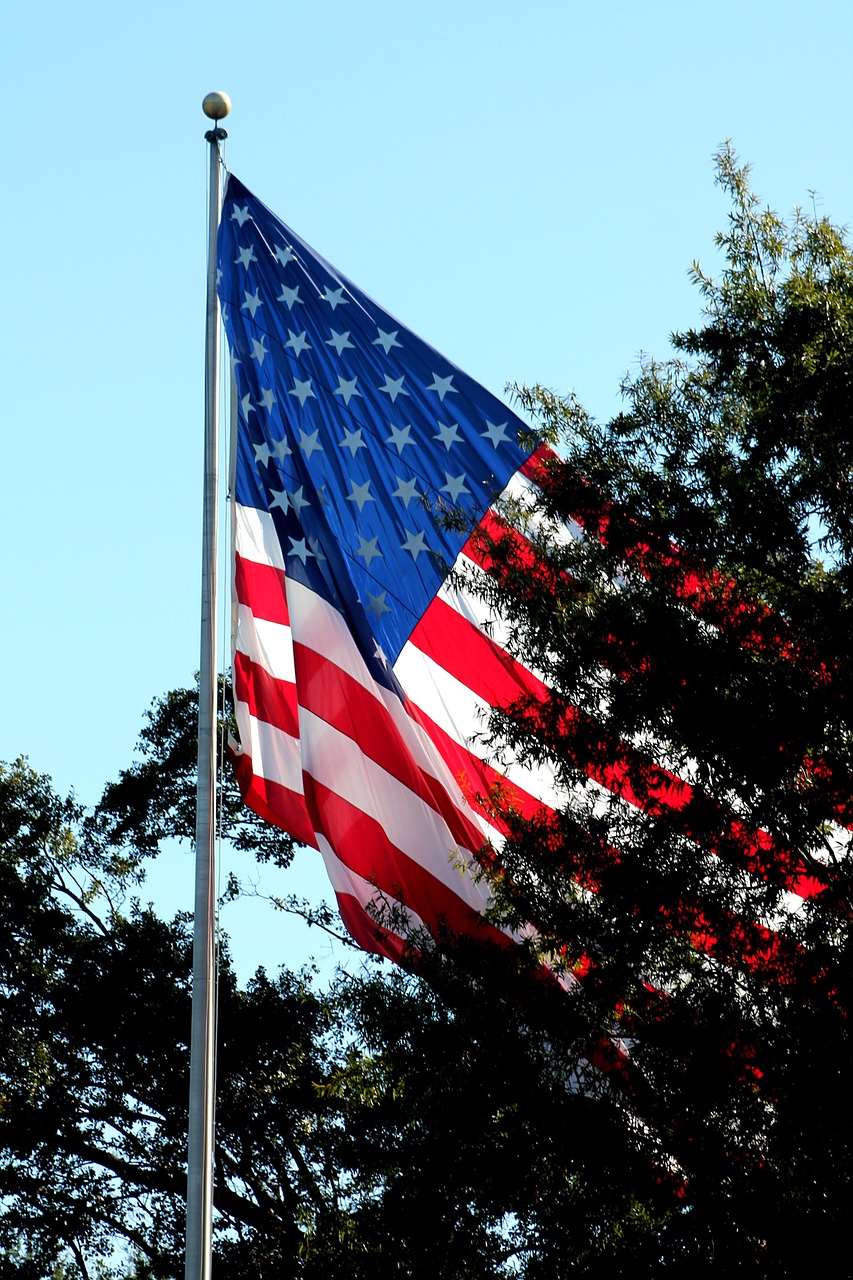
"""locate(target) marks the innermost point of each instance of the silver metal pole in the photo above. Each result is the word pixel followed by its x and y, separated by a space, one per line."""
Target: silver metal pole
pixel 203 1042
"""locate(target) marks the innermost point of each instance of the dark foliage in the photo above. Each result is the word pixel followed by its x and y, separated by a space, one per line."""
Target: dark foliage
pixel 694 637
pixel 693 893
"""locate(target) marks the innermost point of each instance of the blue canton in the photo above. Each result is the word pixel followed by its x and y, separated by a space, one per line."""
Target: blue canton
pixel 373 453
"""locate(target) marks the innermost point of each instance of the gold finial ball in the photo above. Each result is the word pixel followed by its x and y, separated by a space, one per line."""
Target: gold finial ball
pixel 216 105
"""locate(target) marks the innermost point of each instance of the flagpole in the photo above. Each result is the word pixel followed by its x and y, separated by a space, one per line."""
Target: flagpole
pixel 203 1039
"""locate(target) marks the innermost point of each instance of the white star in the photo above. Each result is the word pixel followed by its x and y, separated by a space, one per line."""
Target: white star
pixel 455 485
pixel 347 389
pixel 284 255
pixel 368 549
pixel 333 297
pixel 448 434
pixel 267 398
pixel 245 257
pixel 298 501
pixel 378 654
pixel 280 500
pixel 496 432
pixel 442 386
pixel 263 453
pixel 240 215
pixel 246 405
pixel 394 387
pixel 352 440
pixel 400 437
pixel 405 490
pixel 289 296
pixel 377 605
pixel 298 342
pixel 258 349
pixel 314 544
pixel 281 450
pixel 340 341
pixel 309 443
pixel 360 494
pixel 252 302
pixel 414 543
pixel 302 390
pixel 299 549
pixel 386 340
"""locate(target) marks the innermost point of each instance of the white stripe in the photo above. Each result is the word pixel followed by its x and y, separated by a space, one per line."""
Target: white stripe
pixel 268 644
pixel 275 755
pixel 525 493
pixel 790 904
pixel 256 538
pixel 346 881
pixel 463 715
pixel 322 629
pixel 837 843
pixel 469 606
pixel 336 762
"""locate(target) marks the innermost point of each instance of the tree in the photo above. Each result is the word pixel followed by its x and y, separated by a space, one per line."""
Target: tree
pixel 388 1126
pixel 468 1120
pixel 432 1135
pixel 94 1072
pixel 694 640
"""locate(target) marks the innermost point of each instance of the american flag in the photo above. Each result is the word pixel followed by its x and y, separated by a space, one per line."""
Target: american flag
pixel 361 671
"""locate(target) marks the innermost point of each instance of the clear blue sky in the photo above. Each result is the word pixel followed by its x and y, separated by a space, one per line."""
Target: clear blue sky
pixel 523 185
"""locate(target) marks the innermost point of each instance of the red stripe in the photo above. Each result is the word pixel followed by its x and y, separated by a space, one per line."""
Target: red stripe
pixel 711 597
pixel 755 850
pixel 268 699
pixel 262 588
pixel 445 910
pixel 497 679
pixel 361 844
pixel 335 697
pixel 717 599
pixel 477 779
pixel 736 943
pixel 369 935
pixel 535 468
pixel 471 657
pixel 733 940
pixel 494 534
pixel 273 802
